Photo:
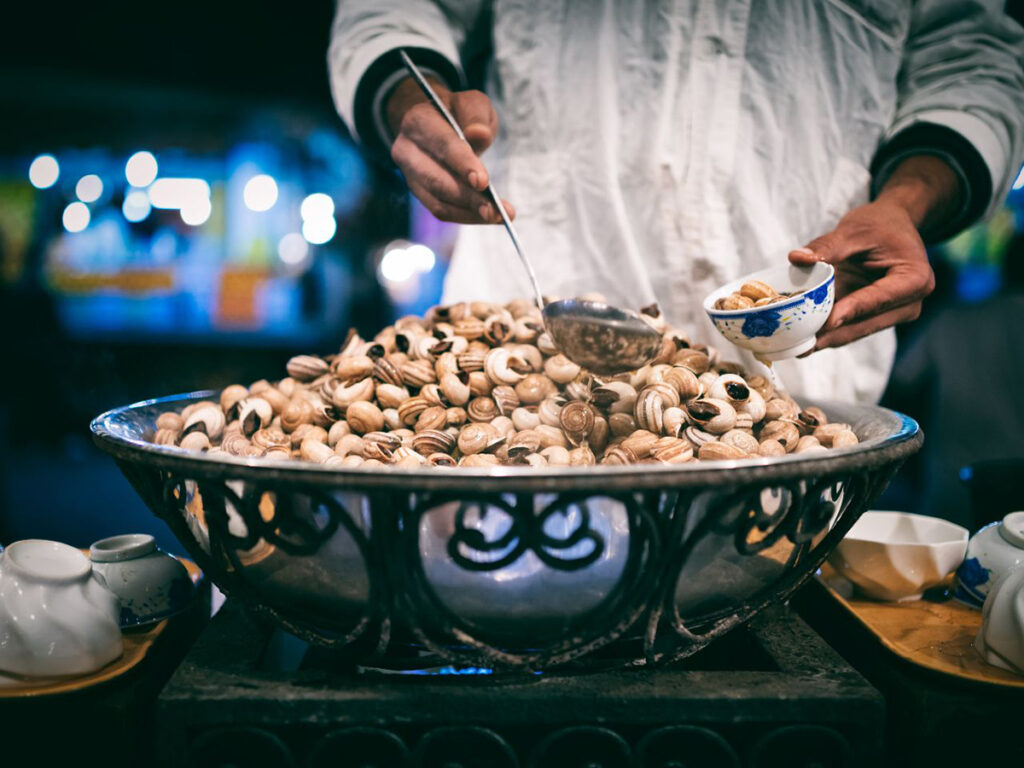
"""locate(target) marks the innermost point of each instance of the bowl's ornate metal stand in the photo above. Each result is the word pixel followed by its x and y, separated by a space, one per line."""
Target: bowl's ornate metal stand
pixel 561 520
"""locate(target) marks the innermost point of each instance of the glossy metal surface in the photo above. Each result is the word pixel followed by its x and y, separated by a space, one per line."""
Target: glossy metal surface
pixel 601 338
pixel 508 566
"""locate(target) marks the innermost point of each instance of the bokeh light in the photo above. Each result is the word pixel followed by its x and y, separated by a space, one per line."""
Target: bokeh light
pixel 196 211
pixel 293 249
pixel 89 188
pixel 141 169
pixel 44 172
pixel 260 193
pixel 319 231
pixel 136 206
pixel 317 206
pixel 76 217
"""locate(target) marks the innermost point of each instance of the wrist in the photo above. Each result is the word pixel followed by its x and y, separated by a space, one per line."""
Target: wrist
pixel 926 188
pixel 407 94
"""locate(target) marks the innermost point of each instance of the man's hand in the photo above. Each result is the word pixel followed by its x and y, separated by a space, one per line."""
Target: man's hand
pixel 441 169
pixel 882 270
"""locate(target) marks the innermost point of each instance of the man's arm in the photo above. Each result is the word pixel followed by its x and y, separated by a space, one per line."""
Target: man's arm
pixel 882 270
pixel 388 115
pixel 953 150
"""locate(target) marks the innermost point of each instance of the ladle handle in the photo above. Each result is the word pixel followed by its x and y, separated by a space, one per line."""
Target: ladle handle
pixel 421 81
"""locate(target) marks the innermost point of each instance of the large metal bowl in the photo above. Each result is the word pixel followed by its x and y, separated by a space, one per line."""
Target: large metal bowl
pixel 509 566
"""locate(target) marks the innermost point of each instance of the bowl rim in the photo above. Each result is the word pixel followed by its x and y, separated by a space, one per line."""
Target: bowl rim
pixel 904 440
pixel 743 313
pixel 961 534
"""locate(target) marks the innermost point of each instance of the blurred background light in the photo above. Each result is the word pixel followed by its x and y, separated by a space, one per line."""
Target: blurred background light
pixel 317 206
pixel 260 193
pixel 293 249
pixel 136 206
pixel 318 231
pixel 1019 183
pixel 141 169
pixel 422 258
pixel 44 171
pixel 196 211
pixel 89 188
pixel 175 193
pixel 76 217
pixel 397 266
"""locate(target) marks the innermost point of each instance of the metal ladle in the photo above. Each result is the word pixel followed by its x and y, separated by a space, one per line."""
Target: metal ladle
pixel 599 337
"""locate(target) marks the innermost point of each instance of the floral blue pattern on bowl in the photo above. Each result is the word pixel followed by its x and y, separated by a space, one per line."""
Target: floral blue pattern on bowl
pixel 786 328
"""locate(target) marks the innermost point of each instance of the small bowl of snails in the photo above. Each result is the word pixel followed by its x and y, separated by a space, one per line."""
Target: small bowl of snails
pixel 774 313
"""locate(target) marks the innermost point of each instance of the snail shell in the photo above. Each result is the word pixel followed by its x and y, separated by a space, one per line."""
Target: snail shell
pixel 534 388
pixel 418 373
pixel 337 431
pixel 504 368
pixel 455 388
pixel 455 416
pixel 271 438
pixel 352 367
pixel 476 438
pixel 349 445
pixel 808 443
pixel 844 439
pixel 623 424
pixel 672 450
pixel 506 399
pixel 254 413
pixel 719 451
pixel 582 456
pixel 650 409
pixel 577 421
pixel 209 420
pixel 170 436
pixel 756 289
pixel 315 451
pixel 195 441
pixel 472 360
pixel 525 418
pixel 694 359
pixel 809 419
pixel 782 430
pixel 441 460
pixel 364 417
pixel 742 440
pixel 345 395
pixel 409 410
pixel 549 412
pixel 434 417
pixel 556 456
pixel 714 416
pixel 771 448
pixel 229 396
pixel 482 409
pixel 385 371
pixel 391 396
pixel 306 367
pixel 172 421
pixel 550 436
pixel 684 381
pixel 619 455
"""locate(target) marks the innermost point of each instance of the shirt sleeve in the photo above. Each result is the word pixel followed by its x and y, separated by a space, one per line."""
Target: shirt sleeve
pixel 960 98
pixel 363 61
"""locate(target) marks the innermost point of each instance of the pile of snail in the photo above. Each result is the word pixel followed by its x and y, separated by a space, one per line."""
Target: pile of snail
pixel 754 293
pixel 477 384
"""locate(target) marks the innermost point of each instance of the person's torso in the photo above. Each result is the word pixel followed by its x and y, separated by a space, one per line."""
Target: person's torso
pixel 654 151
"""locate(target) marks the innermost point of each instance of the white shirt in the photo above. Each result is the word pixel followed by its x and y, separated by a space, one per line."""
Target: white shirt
pixel 654 151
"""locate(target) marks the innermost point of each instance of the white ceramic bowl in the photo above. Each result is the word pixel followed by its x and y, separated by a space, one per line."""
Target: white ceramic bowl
pixel 996 549
pixel 1001 638
pixel 786 328
pixel 149 583
pixel 55 617
pixel 897 555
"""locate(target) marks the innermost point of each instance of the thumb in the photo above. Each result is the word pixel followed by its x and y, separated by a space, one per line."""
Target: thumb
pixel 476 115
pixel 828 248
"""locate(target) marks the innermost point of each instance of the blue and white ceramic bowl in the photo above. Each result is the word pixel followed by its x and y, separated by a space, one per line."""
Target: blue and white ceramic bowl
pixel 786 328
